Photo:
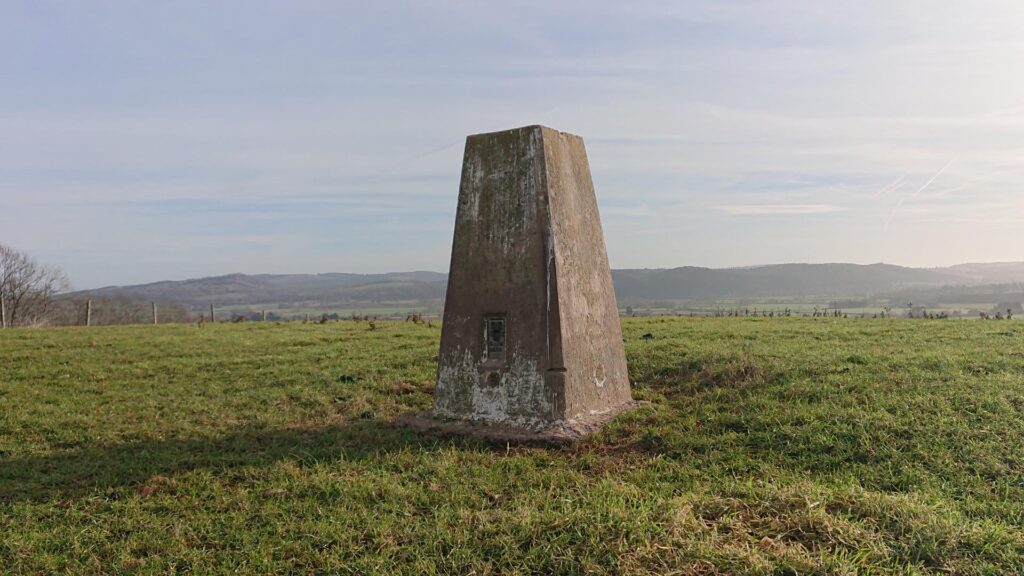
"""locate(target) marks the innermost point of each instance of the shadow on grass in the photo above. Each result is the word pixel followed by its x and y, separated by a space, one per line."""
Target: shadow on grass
pixel 115 468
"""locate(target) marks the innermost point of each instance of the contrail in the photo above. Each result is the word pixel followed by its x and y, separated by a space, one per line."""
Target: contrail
pixel 891 187
pixel 981 178
pixel 915 194
pixel 937 174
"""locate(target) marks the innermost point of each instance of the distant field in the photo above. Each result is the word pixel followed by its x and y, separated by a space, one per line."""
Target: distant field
pixel 769 446
pixel 432 308
pixel 395 310
pixel 298 310
pixel 799 307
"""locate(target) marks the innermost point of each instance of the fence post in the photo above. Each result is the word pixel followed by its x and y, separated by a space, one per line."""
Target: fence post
pixel 88 312
pixel 264 315
pixel 3 311
pixel 211 313
pixel 154 312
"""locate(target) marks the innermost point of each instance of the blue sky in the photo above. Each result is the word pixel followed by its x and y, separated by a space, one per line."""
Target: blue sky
pixel 142 141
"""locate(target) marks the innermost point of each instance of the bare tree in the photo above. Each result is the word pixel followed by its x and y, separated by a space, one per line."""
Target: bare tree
pixel 27 288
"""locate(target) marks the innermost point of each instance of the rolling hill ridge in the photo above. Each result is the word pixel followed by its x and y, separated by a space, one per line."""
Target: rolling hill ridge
pixel 631 285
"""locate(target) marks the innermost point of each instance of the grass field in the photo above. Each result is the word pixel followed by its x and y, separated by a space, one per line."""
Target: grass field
pixel 394 309
pixel 767 447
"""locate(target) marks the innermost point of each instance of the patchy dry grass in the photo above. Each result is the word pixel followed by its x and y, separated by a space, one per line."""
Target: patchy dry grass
pixel 767 447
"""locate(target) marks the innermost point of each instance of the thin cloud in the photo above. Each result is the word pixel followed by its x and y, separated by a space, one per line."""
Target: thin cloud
pixel 715 132
pixel 641 211
pixel 777 209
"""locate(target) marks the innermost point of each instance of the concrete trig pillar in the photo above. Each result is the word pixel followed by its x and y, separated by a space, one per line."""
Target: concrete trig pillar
pixel 531 337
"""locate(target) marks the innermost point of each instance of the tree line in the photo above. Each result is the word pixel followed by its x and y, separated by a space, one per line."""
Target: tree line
pixel 33 294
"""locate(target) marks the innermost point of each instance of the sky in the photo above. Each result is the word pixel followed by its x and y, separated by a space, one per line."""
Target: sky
pixel 143 141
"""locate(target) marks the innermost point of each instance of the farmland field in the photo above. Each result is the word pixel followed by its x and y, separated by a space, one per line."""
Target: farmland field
pixel 766 446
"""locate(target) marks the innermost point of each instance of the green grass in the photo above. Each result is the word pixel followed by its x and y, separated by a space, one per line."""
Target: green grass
pixel 785 446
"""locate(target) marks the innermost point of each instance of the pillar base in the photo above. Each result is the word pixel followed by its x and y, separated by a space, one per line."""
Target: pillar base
pixel 557 432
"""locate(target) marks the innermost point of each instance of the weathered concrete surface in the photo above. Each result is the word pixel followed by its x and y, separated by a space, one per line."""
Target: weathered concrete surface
pixel 553 433
pixel 529 249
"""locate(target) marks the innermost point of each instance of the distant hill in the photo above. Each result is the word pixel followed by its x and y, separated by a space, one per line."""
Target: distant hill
pixel 989 273
pixel 631 285
pixel 772 281
pixel 286 288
